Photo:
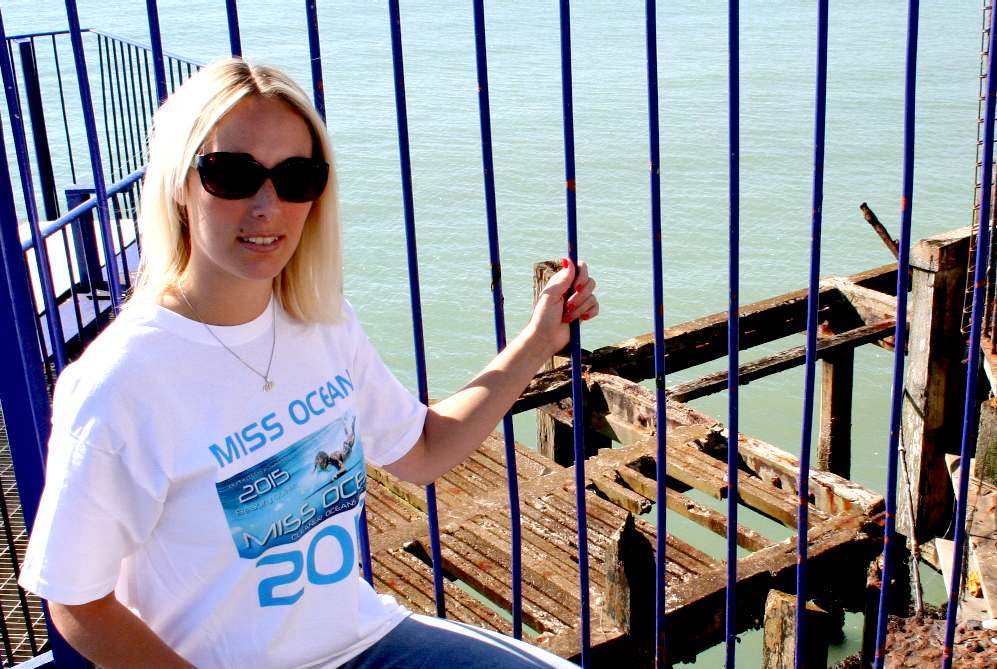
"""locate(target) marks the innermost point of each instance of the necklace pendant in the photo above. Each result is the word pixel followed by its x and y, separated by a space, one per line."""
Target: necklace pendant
pixel 268 385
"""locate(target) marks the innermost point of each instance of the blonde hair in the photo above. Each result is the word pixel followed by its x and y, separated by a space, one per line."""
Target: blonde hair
pixel 309 287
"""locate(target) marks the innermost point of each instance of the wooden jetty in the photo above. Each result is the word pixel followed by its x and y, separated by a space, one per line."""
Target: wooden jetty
pixel 620 422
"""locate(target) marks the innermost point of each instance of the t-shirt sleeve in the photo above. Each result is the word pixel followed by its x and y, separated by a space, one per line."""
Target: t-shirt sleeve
pixel 94 511
pixel 391 418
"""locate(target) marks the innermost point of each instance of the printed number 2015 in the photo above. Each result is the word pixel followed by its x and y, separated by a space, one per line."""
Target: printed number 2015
pixel 305 562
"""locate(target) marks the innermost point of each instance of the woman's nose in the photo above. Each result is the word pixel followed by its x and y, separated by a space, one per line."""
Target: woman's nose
pixel 265 201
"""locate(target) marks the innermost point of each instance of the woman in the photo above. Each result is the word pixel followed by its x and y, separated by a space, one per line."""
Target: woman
pixel 206 463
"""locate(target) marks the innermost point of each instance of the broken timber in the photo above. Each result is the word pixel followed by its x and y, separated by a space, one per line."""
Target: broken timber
pixel 473 498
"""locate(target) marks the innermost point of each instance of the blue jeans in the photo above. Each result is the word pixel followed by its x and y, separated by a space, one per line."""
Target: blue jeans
pixel 421 642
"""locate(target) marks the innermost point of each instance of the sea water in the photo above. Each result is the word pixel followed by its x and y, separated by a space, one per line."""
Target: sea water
pixel 864 140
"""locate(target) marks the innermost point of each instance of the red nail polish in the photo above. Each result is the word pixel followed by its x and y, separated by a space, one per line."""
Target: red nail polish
pixel 565 263
pixel 566 318
pixel 571 307
pixel 585 317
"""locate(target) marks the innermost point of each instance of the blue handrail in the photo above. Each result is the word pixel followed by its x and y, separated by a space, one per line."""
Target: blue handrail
pixel 900 337
pixel 413 274
pixel 577 395
pixel 488 170
pixel 810 365
pixel 733 322
pixel 661 472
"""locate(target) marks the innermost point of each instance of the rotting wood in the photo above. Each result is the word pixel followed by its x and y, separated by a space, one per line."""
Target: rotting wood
pixel 704 339
pixel 834 346
pixel 985 467
pixel 633 405
pixel 838 552
pixel 932 406
pixel 834 444
pixel 870 306
pixel 880 229
pixel 779 639
pixel 631 581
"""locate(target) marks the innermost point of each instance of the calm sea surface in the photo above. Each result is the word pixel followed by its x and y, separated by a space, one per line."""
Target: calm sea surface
pixel 778 56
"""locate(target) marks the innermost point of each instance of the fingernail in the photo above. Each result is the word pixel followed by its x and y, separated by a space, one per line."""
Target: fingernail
pixel 585 317
pixel 565 263
pixel 566 318
pixel 571 307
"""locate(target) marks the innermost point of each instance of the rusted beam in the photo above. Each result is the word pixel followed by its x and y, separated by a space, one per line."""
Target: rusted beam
pixel 772 364
pixel 873 220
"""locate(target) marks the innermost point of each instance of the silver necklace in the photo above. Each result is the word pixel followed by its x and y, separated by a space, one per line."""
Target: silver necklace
pixel 267 380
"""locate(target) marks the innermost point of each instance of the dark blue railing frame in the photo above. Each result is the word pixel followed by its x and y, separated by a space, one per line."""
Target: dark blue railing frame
pixel 28 397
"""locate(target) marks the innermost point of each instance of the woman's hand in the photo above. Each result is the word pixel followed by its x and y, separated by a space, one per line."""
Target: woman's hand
pixel 568 295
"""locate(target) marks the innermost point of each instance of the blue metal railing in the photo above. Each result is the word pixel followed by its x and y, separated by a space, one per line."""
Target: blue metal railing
pixel 127 73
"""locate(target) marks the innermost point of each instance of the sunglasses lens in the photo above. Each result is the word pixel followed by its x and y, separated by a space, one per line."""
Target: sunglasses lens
pixel 300 179
pixel 230 176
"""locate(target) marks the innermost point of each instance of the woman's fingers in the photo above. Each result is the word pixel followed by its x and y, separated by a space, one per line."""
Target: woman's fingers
pixel 582 292
pixel 584 309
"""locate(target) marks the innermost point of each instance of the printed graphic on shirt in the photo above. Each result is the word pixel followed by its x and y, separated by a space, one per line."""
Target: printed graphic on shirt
pixel 281 499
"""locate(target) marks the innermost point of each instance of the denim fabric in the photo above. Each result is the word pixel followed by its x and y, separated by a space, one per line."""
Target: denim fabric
pixel 421 642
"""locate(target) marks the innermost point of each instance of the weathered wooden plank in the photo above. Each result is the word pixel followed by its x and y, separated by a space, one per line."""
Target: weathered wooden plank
pixel 779 362
pixel 935 382
pixel 838 550
pixel 834 445
pixel 985 468
pixel 779 640
pixel 981 530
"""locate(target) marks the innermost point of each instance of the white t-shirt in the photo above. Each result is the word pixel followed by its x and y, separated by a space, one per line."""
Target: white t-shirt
pixel 224 516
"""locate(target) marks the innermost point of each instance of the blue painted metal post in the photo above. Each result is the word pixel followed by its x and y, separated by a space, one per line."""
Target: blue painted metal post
pixel 315 56
pixel 85 241
pixel 53 322
pixel 413 272
pixel 661 476
pixel 733 321
pixel 969 421
pixel 156 40
pixel 36 113
pixel 23 393
pixel 810 365
pixel 900 337
pixel 234 38
pixel 114 284
pixel 488 167
pixel 577 387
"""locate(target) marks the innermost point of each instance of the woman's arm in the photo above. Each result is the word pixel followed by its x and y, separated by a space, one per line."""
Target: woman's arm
pixel 113 637
pixel 456 426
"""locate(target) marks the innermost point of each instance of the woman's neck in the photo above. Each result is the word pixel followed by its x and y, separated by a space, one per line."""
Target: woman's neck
pixel 216 306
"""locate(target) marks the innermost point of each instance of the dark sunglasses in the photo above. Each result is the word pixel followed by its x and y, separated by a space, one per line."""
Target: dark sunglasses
pixel 234 176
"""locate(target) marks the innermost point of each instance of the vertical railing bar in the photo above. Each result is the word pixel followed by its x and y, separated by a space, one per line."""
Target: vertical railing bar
pixel 54 322
pixel 900 336
pixel 661 483
pixel 124 109
pixel 105 87
pixel 813 304
pixel 235 40
pixel 156 40
pixel 73 285
pixel 733 322
pixel 363 537
pixel 972 368
pixel 577 397
pixel 315 57
pixel 112 97
pixel 494 258
pixel 114 285
pixel 116 204
pixel 62 105
pixel 35 108
pixel 173 83
pixel 413 272
pixel 141 134
pixel 149 106
pixel 189 70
